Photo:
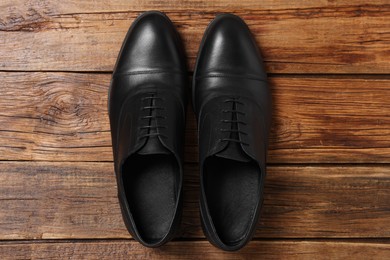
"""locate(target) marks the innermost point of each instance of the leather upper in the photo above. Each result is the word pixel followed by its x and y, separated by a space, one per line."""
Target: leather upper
pixel 230 78
pixel 150 74
pixel 229 65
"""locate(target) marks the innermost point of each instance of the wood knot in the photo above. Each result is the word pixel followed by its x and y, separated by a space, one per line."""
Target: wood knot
pixel 64 109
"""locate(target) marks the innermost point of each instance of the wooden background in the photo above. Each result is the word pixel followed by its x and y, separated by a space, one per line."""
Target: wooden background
pixel 328 185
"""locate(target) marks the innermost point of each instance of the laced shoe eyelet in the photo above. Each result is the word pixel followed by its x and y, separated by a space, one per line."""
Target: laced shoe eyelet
pixel 148 119
pixel 235 112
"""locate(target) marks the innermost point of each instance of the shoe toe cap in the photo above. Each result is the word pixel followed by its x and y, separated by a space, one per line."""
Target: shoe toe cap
pixel 151 44
pixel 229 47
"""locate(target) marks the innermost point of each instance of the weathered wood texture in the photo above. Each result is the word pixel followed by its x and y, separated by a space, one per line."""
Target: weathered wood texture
pixel 63 117
pixel 69 200
pixel 305 37
pixel 196 250
pixel 327 193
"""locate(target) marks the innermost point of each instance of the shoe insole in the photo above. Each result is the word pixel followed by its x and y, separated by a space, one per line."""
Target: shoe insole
pixel 151 191
pixel 232 192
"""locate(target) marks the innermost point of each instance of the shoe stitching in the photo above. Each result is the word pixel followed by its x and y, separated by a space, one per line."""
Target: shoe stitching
pixel 140 72
pixel 231 76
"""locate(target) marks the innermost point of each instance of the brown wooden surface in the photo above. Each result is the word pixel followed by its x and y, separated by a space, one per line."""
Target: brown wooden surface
pixel 309 37
pixel 327 192
pixel 65 200
pixel 196 250
pixel 63 117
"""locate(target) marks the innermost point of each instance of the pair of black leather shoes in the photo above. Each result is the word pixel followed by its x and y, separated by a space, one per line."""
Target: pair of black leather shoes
pixel 147 108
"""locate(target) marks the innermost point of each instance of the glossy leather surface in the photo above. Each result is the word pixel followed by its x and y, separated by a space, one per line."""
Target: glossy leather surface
pixel 232 102
pixel 147 105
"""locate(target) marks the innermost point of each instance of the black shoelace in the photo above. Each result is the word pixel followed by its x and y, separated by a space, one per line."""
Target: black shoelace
pixel 233 130
pixel 149 121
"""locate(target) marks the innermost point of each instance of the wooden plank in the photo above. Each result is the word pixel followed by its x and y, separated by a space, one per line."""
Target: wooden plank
pixel 51 6
pixel 77 200
pixel 63 117
pixel 123 249
pixel 54 117
pixel 295 36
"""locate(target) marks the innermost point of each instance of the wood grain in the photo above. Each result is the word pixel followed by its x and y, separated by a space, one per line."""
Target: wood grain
pixel 77 200
pixel 96 6
pixel 327 193
pixel 293 37
pixel 63 117
pixel 123 249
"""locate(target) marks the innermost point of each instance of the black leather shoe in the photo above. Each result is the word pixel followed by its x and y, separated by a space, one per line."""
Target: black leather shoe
pixel 233 106
pixel 147 105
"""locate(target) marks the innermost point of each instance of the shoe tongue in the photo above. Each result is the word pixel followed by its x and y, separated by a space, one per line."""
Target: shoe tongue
pixel 233 151
pixel 153 146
